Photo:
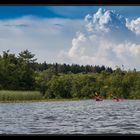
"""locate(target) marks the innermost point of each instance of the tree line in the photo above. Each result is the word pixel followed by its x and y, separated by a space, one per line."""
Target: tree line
pixel 22 72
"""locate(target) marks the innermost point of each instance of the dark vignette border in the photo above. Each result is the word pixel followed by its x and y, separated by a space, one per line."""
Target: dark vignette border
pixel 69 3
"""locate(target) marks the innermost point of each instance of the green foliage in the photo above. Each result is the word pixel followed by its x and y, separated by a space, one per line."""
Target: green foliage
pixel 22 72
pixel 59 87
pixel 19 95
pixel 16 73
pixel 42 79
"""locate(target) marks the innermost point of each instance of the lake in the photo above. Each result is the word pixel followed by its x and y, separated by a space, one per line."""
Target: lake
pixel 71 117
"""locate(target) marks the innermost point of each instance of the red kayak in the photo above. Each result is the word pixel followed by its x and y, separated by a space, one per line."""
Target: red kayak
pixel 116 99
pixel 99 99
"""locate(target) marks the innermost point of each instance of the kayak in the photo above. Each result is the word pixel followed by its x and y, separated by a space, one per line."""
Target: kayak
pixel 99 99
pixel 118 100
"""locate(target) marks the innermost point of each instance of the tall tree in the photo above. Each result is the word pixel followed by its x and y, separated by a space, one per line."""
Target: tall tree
pixel 26 79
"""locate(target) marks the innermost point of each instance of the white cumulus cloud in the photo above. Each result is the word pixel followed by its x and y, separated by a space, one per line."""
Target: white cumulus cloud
pixel 134 25
pixel 108 40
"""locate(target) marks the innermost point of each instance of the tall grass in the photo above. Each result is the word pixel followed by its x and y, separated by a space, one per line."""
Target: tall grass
pixel 19 95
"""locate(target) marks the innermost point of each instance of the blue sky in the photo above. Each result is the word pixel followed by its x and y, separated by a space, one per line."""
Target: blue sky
pixel 62 11
pixel 95 35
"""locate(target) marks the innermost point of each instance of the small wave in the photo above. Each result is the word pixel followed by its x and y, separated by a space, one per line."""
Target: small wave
pixel 49 118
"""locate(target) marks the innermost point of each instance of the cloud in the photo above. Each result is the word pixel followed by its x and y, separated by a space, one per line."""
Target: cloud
pixel 42 36
pixel 103 38
pixel 98 21
pixel 108 40
pixel 134 25
pixel 105 21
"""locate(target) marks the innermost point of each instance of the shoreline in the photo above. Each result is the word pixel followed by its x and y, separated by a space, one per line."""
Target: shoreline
pixel 58 100
pixel 43 100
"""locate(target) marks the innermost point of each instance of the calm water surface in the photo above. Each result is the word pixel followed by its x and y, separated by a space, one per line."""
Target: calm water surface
pixel 70 117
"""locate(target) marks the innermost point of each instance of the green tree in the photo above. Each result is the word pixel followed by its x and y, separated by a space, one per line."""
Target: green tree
pixel 59 87
pixel 42 79
pixel 26 72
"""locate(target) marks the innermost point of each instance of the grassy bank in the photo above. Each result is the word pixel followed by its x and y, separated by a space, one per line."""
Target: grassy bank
pixel 27 96
pixel 6 96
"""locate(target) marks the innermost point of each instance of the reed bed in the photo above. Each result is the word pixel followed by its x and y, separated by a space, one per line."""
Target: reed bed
pixel 19 95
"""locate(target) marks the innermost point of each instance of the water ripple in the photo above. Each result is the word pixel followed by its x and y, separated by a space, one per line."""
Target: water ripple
pixel 71 117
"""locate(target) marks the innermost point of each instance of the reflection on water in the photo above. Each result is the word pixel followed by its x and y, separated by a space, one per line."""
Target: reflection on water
pixel 71 117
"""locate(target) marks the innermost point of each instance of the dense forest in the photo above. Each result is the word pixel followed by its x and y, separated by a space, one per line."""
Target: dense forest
pixel 23 72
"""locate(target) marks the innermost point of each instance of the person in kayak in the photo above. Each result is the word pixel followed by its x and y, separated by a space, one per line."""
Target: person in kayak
pixel 116 99
pixel 98 97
